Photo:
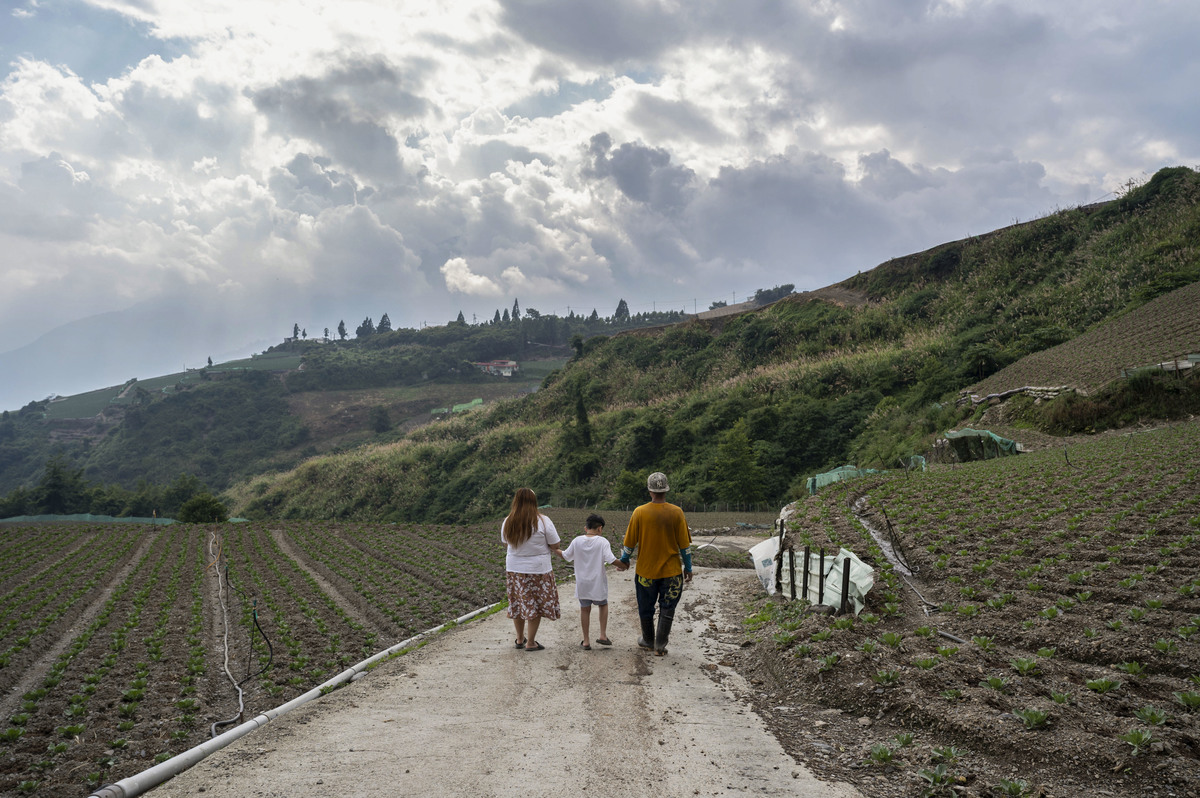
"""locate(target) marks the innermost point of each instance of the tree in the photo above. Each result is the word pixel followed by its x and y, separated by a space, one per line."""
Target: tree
pixel 62 489
pixel 577 345
pixel 203 508
pixel 516 314
pixel 739 476
pixel 622 312
pixel 385 324
pixel 532 313
pixel 326 333
pixel 379 419
pixel 295 331
pixel 366 329
pixel 210 361
pixel 595 316
pixel 507 318
pixel 304 333
pixel 718 303
pixel 496 318
pixel 765 295
pixel 461 320
pixel 342 330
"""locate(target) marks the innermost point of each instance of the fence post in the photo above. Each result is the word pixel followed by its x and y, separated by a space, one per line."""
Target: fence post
pixel 779 571
pixel 821 577
pixel 792 568
pixel 804 577
pixel 845 586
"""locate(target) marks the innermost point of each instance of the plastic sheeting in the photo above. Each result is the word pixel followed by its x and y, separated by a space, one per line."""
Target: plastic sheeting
pixel 862 576
pixel 979 444
pixel 83 518
pixel 836 475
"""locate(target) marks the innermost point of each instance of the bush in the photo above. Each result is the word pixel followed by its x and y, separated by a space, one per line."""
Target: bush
pixel 203 508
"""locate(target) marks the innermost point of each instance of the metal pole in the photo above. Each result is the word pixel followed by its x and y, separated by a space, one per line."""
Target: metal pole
pixel 792 568
pixel 821 577
pixel 804 586
pixel 845 586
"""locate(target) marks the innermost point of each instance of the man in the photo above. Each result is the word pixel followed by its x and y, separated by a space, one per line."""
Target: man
pixel 659 532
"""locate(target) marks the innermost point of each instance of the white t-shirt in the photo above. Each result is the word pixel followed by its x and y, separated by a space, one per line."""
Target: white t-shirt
pixel 590 554
pixel 532 556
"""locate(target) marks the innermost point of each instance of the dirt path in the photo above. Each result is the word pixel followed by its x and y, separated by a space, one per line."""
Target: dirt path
pixel 470 715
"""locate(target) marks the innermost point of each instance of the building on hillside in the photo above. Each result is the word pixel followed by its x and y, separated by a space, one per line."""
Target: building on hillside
pixel 501 368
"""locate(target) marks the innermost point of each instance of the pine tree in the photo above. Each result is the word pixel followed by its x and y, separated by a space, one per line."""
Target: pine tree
pixel 342 329
pixel 622 312
pixel 516 314
pixel 506 316
pixel 461 319
pixel 496 318
pixel 385 324
pixel 295 331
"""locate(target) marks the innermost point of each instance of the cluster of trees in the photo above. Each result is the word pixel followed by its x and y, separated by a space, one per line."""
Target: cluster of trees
pixel 63 490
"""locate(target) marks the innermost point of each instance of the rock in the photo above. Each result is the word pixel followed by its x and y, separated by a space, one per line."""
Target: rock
pixel 864 722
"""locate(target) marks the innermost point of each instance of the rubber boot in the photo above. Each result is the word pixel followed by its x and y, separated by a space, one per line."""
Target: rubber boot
pixel 664 632
pixel 647 638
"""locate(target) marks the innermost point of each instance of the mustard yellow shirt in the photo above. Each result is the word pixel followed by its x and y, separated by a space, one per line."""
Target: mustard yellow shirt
pixel 658 532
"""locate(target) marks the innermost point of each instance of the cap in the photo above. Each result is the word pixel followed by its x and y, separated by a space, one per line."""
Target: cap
pixel 657 483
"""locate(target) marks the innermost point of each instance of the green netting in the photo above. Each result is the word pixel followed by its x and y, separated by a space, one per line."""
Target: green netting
pixel 467 405
pixel 836 475
pixel 979 444
pixel 83 518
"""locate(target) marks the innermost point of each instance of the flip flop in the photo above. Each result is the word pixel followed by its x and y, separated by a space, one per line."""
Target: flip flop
pixel 540 647
pixel 584 646
pixel 520 644
pixel 604 641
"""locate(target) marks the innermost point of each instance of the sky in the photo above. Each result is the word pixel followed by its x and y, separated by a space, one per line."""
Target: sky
pixel 182 177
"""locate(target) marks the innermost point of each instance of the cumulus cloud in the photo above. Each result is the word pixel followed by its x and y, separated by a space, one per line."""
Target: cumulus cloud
pixel 294 160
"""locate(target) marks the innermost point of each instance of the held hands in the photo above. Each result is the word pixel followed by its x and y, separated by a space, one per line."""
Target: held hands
pixel 621 565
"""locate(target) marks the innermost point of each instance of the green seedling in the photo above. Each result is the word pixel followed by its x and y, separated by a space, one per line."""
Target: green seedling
pixel 1090 632
pixel 904 739
pixel 1166 646
pixel 1115 625
pixel 1133 668
pixel 997 683
pixel 867 647
pixel 951 695
pixel 947 651
pixel 1137 739
pixel 984 642
pixel 1025 667
pixel 844 623
pixel 1083 596
pixel 893 639
pixel 923 631
pixel 1136 614
pixel 1060 698
pixel 821 636
pixel 1189 699
pixel 881 755
pixel 1102 686
pixel 946 753
pixel 1033 718
pixel 886 678
pixel 802 650
pixel 1047 653
pixel 1012 788
pixel 926 663
pixel 827 662
pixel 1151 716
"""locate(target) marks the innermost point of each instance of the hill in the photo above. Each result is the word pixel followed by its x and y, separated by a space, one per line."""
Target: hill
pixel 742 407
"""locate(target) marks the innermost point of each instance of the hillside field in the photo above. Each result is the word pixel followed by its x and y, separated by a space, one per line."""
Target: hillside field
pixel 1049 631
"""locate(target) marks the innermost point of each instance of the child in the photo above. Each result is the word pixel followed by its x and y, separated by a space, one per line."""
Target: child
pixel 591 553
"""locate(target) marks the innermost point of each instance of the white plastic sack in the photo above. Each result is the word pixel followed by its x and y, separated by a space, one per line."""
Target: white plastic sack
pixel 763 556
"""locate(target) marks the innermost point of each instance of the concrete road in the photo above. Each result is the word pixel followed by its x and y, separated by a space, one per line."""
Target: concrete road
pixel 469 714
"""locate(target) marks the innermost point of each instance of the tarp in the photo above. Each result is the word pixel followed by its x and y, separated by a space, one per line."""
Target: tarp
pixel 979 444
pixel 862 576
pixel 83 518
pixel 836 475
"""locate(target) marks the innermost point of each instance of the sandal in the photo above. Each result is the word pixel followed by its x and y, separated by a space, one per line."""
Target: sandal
pixel 520 644
pixel 604 641
pixel 584 646
pixel 538 647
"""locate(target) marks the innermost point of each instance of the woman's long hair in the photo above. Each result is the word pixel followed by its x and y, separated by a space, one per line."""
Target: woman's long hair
pixel 522 517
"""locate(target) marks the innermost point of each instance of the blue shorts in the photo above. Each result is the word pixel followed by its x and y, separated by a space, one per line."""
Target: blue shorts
pixel 590 602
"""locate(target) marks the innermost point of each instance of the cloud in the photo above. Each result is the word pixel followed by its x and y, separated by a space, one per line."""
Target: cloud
pixel 643 174
pixel 461 280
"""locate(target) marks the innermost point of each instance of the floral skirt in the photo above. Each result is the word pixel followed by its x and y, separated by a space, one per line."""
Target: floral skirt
pixel 532 596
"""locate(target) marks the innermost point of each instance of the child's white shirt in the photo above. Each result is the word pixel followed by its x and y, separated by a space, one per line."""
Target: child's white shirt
pixel 590 554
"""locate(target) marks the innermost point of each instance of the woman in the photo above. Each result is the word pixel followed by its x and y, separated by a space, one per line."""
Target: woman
pixel 532 594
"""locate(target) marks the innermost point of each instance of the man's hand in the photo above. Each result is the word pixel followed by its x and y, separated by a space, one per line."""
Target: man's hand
pixel 687 576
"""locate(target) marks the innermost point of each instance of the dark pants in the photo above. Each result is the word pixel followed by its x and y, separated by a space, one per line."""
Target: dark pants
pixel 666 592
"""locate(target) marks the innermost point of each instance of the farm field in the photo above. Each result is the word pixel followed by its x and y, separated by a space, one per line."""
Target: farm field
pixel 114 648
pixel 1050 636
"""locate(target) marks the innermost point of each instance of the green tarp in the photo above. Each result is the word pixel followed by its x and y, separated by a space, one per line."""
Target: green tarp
pixel 836 475
pixel 83 518
pixel 979 444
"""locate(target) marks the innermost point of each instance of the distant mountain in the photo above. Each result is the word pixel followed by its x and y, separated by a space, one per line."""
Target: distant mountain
pixel 145 340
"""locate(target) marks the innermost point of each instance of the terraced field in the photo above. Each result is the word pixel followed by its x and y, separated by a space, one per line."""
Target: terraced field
pixel 1047 635
pixel 121 646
